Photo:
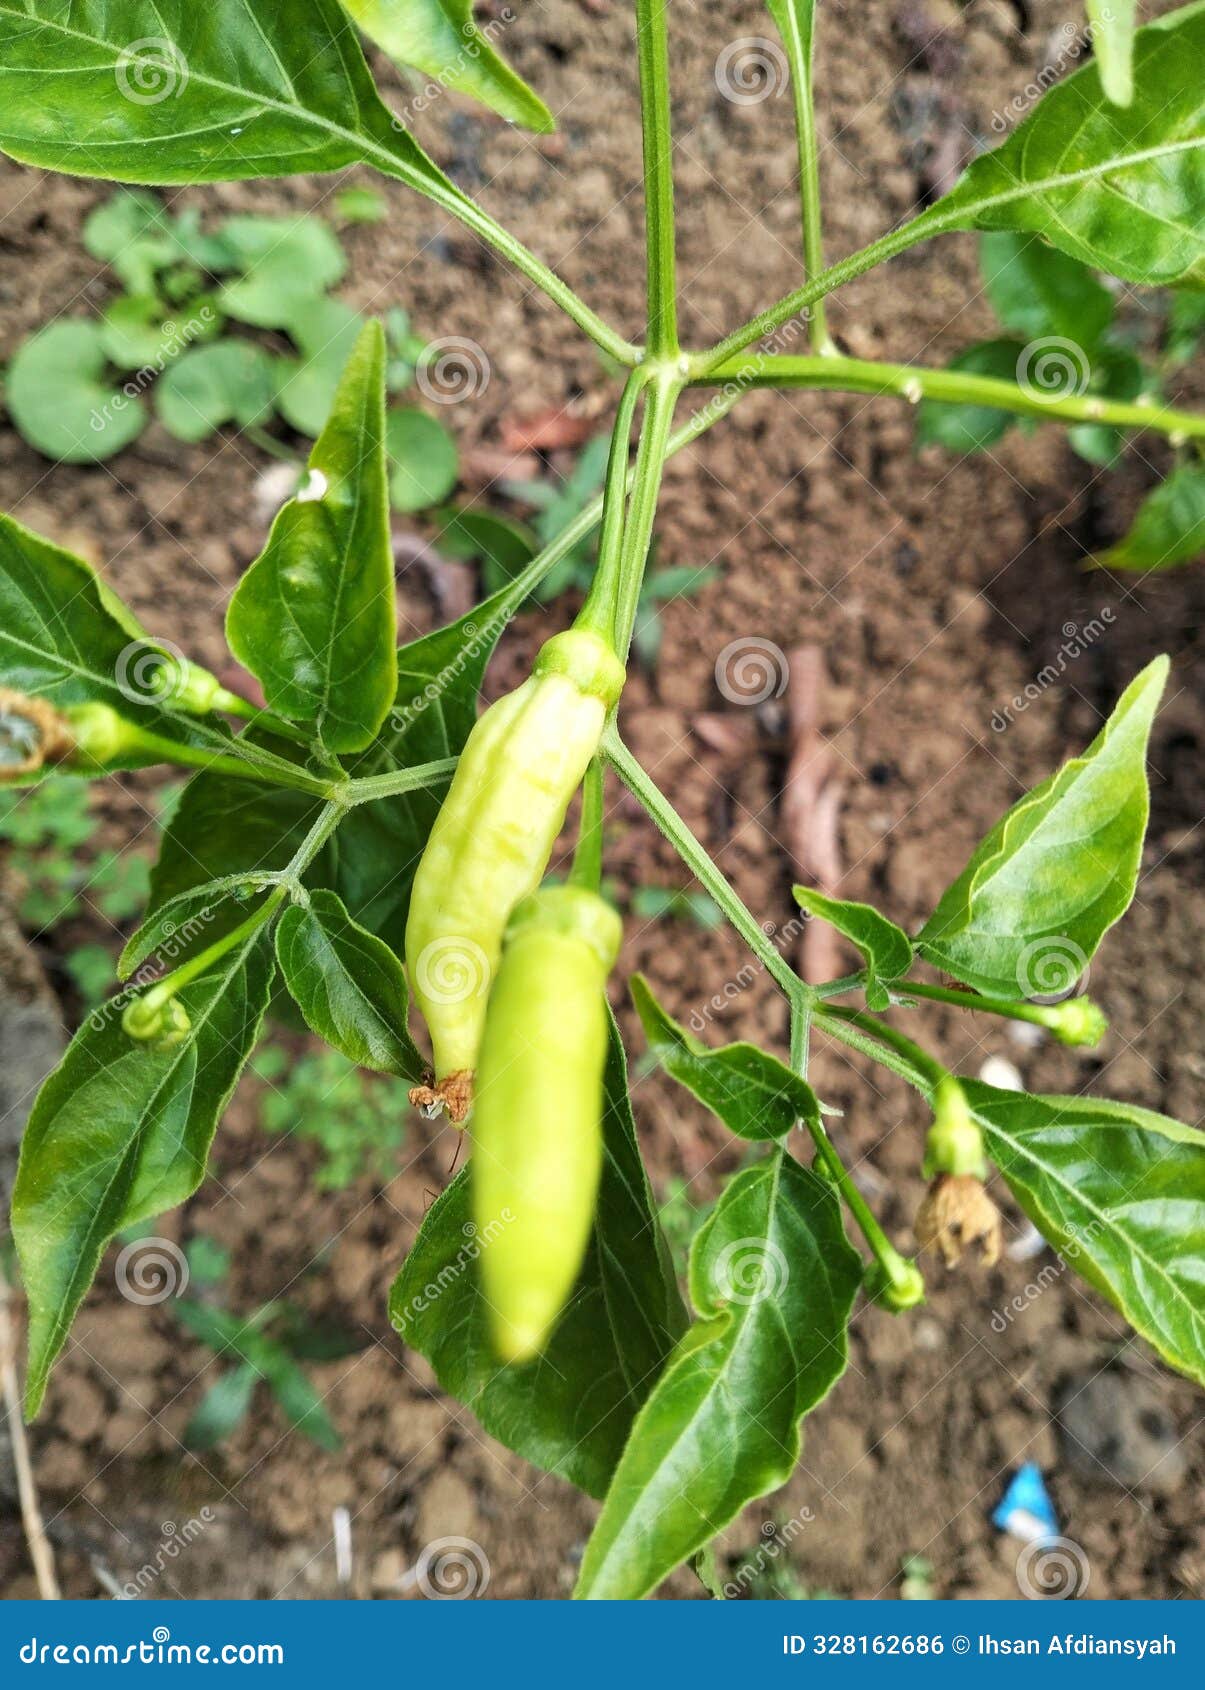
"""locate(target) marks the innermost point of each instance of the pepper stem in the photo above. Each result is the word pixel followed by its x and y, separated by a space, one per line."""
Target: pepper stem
pixel 587 859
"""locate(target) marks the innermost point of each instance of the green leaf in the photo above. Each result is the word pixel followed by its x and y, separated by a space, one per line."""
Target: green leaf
pixel 302 1405
pixel 439 681
pixel 348 984
pixel 138 334
pixel 66 636
pixel 232 382
pixel 571 1411
pixel 971 428
pixel 222 1410
pixel 168 91
pixel 886 948
pixel 424 459
pixel 326 330
pixel 754 1094
pixel 773 1278
pixel 504 548
pixel 120 1132
pixel 1170 525
pixel 1037 290
pixel 1120 188
pixel 1112 23
pixel 60 400
pixel 1041 890
pixel 290 262
pixel 1185 326
pixel 315 616
pixel 1120 1193
pixel 441 39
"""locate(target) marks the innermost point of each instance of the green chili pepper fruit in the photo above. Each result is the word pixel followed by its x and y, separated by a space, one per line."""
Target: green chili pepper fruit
pixel 537 1125
pixel 491 843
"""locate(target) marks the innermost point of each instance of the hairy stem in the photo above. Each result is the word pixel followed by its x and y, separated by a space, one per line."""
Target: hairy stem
pixel 599 611
pixel 642 509
pixel 369 788
pixel 796 25
pixel 653 53
pixel 243 762
pixel 838 374
pixel 873 1038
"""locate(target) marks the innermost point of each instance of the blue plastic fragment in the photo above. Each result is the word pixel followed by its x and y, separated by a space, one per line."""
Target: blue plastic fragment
pixel 1025 1510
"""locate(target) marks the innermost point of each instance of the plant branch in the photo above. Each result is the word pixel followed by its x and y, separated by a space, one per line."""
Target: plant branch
pixel 884 1045
pixel 599 611
pixel 699 862
pixel 588 858
pixel 368 788
pixel 839 374
pixel 653 52
pixel 796 24
pixel 40 1552
pixel 245 762
pixel 642 509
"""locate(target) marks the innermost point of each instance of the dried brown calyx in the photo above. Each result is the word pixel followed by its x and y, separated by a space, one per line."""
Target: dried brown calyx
pixel 958 1215
pixel 32 734
pixel 453 1095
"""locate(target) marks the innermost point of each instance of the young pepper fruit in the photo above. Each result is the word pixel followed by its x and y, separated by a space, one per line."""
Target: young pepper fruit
pixel 537 1126
pixel 491 843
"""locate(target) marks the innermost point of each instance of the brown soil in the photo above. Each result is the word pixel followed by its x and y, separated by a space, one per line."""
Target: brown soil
pixel 937 590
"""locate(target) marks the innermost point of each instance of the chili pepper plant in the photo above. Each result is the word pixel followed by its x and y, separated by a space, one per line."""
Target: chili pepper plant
pixel 366 815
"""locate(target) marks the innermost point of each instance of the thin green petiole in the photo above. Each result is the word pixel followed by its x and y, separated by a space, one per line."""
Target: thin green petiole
pixel 275 771
pixel 884 1045
pixel 172 984
pixel 896 1268
pixel 1037 1014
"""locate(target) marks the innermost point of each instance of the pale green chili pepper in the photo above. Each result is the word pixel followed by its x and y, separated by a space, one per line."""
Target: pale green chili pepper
pixel 537 1124
pixel 491 843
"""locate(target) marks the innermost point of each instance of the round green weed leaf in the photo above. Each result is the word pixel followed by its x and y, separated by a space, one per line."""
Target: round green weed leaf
pixel 60 400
